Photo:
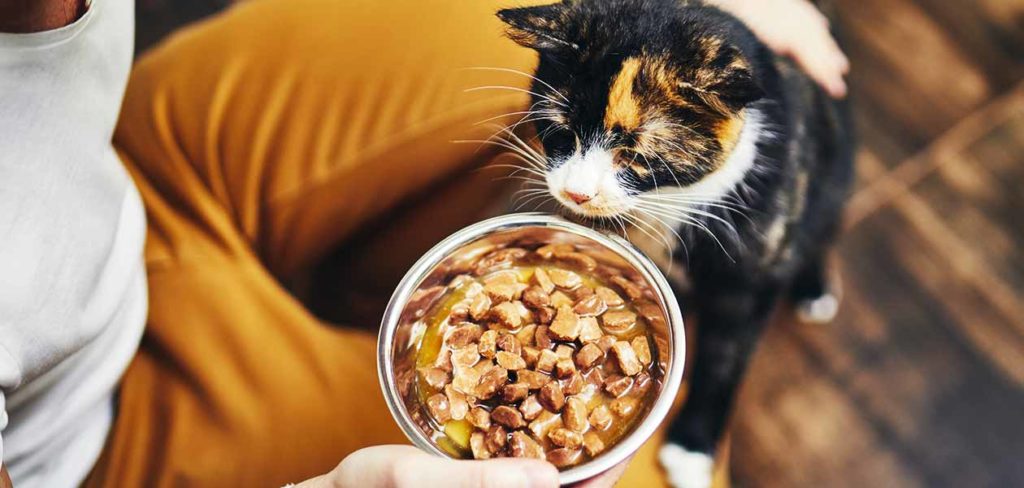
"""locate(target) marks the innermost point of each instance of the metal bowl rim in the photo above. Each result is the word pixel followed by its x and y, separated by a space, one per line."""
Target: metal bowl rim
pixel 413 278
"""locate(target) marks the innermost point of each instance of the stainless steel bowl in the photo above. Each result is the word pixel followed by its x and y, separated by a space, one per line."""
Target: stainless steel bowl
pixel 400 335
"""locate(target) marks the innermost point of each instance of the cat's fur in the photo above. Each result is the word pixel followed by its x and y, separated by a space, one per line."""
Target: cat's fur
pixel 641 98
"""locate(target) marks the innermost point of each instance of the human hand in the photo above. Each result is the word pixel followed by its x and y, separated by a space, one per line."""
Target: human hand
pixel 407 466
pixel 796 29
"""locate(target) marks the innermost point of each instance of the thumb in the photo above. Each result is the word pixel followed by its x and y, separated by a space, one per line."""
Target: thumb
pixel 406 466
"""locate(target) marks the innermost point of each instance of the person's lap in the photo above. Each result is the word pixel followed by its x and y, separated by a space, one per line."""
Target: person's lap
pixel 260 139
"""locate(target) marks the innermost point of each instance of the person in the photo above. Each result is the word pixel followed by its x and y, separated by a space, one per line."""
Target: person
pixel 255 141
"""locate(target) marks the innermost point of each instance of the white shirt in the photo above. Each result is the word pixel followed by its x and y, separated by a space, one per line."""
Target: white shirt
pixel 72 281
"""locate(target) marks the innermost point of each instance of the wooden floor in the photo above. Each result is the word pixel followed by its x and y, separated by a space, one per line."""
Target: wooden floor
pixel 920 381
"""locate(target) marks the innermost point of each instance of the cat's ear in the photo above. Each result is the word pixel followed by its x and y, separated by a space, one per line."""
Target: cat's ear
pixel 737 88
pixel 723 78
pixel 542 27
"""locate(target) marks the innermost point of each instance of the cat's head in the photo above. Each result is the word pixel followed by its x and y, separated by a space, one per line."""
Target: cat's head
pixel 634 96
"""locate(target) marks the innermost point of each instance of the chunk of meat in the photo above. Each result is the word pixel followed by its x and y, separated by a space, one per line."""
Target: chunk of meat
pixel 543 280
pixel 439 407
pixel 478 444
pixel 552 397
pixel 488 344
pixel 546 361
pixel 589 355
pixel 535 297
pixel 465 381
pixel 465 357
pixel 628 361
pixel 563 437
pixel 531 355
pixel 479 306
pixel 590 306
pixel 600 417
pixel 617 385
pixel 509 343
pixel 618 321
pixel 463 334
pixel 574 384
pixel 496 438
pixel 565 326
pixel 458 404
pixel 590 331
pixel 548 251
pixel 564 368
pixel 542 338
pixel 526 334
pixel 642 348
pixel 531 407
pixel 632 290
pixel 490 382
pixel 575 415
pixel 560 299
pixel 535 380
pixel 507 416
pixel 523 446
pixel 479 418
pixel 435 377
pixel 564 278
pixel 510 361
pixel 577 259
pixel 506 315
pixel 514 392
pixel 609 296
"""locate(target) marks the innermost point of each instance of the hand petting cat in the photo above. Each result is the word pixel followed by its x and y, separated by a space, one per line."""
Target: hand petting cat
pixel 798 30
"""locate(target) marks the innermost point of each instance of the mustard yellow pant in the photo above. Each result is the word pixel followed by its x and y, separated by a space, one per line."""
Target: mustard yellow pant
pixel 260 139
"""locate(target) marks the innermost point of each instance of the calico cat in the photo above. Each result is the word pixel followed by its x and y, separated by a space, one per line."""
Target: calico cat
pixel 671 116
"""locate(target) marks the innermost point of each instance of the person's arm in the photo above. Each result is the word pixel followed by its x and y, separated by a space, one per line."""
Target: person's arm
pixel 22 17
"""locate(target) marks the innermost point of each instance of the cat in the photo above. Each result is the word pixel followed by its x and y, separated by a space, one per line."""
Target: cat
pixel 673 117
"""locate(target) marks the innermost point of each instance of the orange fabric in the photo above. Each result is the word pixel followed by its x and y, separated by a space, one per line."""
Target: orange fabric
pixel 260 139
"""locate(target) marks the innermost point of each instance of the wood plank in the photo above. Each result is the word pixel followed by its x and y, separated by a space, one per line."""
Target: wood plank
pixel 913 390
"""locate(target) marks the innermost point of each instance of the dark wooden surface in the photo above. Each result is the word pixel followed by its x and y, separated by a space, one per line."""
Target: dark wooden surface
pixel 920 381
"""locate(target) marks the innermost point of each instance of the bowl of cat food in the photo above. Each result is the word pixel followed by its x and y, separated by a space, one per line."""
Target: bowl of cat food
pixel 530 336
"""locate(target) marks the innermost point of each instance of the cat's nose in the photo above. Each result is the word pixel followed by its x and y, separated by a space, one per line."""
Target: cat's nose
pixel 579 198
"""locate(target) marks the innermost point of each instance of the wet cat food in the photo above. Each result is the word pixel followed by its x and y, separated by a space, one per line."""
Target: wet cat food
pixel 542 353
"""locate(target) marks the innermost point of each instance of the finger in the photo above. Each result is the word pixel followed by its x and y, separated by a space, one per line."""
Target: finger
pixel 406 466
pixel 820 62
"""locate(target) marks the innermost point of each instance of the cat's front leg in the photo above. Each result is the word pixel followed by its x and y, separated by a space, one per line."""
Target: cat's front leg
pixel 729 322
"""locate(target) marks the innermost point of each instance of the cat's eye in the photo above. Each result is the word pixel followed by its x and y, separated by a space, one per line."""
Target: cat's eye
pixel 559 138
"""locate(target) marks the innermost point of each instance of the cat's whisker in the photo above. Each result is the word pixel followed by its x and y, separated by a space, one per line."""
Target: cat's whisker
pixel 515 89
pixel 517 169
pixel 732 207
pixel 526 200
pixel 689 220
pixel 532 77
pixel 671 228
pixel 524 113
pixel 640 225
pixel 515 150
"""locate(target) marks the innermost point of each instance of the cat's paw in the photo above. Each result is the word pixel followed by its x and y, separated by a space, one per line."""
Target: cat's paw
pixel 820 310
pixel 685 469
